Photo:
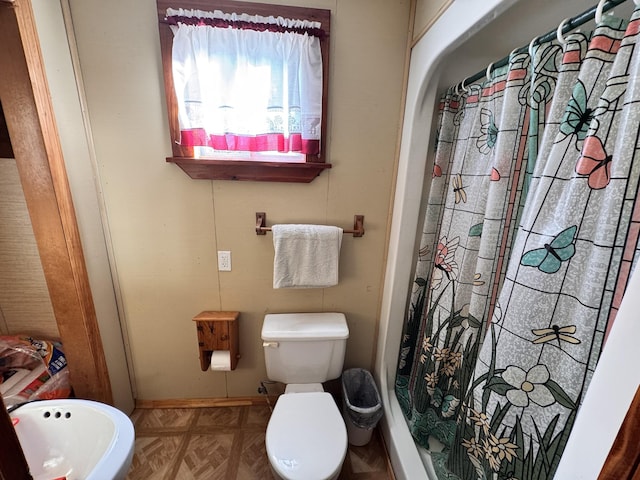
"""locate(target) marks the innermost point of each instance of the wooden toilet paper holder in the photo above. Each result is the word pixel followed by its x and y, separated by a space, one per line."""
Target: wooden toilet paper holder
pixel 217 331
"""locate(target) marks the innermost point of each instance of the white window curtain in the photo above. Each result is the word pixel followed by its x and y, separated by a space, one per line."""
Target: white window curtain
pixel 241 86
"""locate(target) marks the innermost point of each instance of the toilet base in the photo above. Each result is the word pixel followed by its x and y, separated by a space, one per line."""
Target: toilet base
pixel 276 475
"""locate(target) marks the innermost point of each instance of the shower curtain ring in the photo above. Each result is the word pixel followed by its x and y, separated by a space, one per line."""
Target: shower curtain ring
pixel 559 35
pixel 599 11
pixel 489 67
pixel 531 44
pixel 464 89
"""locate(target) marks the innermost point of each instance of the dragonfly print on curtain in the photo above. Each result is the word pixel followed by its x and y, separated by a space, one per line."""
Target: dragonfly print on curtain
pixel 519 279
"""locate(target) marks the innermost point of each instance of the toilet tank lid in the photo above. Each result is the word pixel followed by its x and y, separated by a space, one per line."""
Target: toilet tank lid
pixel 305 326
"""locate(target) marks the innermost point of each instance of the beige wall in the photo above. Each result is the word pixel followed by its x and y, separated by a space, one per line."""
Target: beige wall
pixel 166 228
pixel 427 12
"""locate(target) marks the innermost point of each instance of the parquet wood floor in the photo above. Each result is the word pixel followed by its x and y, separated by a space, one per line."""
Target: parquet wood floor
pixel 225 443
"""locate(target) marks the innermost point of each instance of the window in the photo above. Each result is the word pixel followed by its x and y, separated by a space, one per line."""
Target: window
pixel 246 88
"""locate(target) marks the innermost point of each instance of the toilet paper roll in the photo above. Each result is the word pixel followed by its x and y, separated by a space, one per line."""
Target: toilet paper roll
pixel 221 360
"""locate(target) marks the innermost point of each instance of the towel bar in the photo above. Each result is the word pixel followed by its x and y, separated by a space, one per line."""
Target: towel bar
pixel 262 229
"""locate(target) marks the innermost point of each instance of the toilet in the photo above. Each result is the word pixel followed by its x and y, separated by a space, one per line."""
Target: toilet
pixel 306 436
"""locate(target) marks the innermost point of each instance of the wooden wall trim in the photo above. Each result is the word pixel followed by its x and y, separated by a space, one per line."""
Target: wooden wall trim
pixel 25 98
pixel 206 402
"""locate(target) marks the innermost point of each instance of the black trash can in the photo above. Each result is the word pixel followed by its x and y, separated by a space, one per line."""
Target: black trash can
pixel 361 404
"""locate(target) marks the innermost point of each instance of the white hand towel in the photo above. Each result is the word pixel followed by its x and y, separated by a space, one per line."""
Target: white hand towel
pixel 306 256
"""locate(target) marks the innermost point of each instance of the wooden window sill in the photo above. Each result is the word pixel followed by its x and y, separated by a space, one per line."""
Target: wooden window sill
pixel 249 170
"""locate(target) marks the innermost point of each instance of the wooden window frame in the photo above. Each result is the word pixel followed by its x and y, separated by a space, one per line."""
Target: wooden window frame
pixel 213 169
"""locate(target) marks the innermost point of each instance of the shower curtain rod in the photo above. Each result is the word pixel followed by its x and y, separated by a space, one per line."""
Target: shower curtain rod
pixel 569 25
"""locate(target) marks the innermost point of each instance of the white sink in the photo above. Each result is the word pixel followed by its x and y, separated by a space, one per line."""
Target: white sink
pixel 74 439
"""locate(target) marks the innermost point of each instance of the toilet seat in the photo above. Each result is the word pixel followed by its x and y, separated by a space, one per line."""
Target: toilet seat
pixel 306 437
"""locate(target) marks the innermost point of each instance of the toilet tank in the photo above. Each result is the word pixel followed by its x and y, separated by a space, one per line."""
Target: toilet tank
pixel 304 347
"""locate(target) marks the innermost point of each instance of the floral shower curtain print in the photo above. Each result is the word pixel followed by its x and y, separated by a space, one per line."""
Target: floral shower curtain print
pixel 530 235
pixel 474 198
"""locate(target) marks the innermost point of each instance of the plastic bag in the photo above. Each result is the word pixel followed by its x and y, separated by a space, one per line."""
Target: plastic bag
pixel 361 397
pixel 32 369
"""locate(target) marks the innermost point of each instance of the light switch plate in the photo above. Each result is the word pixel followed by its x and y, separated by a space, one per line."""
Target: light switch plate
pixel 224 261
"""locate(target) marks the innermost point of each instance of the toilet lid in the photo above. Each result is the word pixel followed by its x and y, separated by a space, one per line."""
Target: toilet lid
pixel 306 436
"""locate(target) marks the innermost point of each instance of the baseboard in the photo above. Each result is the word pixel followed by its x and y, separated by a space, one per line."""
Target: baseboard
pixel 202 402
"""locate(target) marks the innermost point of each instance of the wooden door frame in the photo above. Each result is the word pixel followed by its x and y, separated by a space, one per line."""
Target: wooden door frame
pixel 25 98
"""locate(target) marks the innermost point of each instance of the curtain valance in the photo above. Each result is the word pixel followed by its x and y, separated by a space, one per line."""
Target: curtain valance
pixel 243 21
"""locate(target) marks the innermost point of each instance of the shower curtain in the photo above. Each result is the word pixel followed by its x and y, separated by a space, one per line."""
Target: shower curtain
pixel 530 234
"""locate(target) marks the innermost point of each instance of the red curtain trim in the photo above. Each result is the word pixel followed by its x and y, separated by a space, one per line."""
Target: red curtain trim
pixel 268 142
pixel 240 25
